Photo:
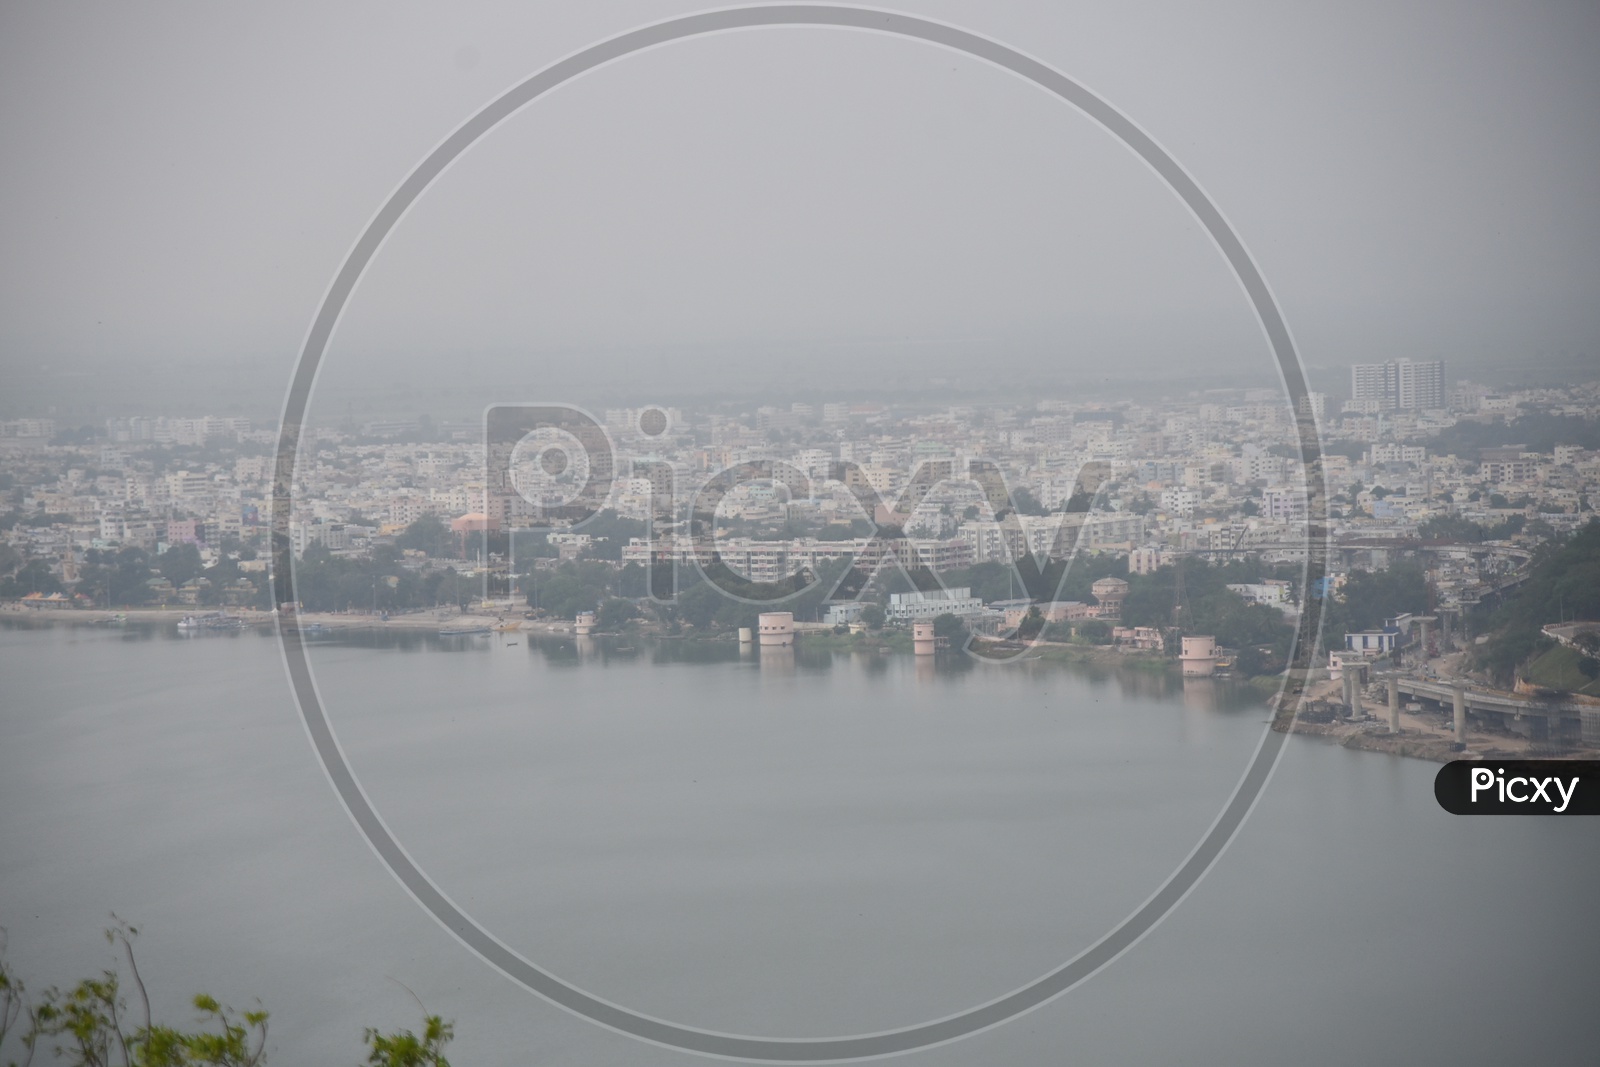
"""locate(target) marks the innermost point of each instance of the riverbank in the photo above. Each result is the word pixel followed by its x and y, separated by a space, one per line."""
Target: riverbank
pixel 428 621
pixel 434 619
pixel 1424 735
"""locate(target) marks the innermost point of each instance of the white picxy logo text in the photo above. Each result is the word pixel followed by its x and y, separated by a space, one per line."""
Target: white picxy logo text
pixel 1523 790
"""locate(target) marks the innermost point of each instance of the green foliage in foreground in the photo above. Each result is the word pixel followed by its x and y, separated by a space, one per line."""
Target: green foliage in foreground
pixel 90 1025
pixel 405 1049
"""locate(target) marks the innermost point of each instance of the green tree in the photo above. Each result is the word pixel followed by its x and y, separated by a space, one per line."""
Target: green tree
pixel 988 581
pixel 576 586
pixel 91 1025
pixel 32 577
pixel 180 563
pixel 633 582
pixel 698 605
pixel 405 1049
pixel 1095 632
pixel 873 616
pixel 1563 582
pixel 616 613
pixel 1031 623
pixel 114 578
pixel 1026 503
pixel 838 531
pixel 1370 597
pixel 13 1003
pixel 1083 500
pixel 609 532
pixel 428 534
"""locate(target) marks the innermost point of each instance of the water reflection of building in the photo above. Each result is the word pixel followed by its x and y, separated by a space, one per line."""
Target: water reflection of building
pixel 1143 685
pixel 1200 693
pixel 777 660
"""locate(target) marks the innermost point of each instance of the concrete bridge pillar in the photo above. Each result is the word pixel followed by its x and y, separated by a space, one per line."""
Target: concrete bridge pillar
pixel 1394 705
pixel 1461 714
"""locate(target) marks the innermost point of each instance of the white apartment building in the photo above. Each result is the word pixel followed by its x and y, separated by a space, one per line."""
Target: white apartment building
pixel 1395 453
pixel 987 539
pixel 929 604
pixel 1179 501
pixel 1404 384
pixel 1146 560
pixel 1284 504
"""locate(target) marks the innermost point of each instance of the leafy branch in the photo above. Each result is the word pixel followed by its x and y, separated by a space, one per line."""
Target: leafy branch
pixel 89 1025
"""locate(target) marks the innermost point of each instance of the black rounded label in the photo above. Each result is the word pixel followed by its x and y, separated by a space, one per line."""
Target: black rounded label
pixel 1519 787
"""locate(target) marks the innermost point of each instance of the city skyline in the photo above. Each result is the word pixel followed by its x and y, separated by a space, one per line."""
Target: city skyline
pixel 988 532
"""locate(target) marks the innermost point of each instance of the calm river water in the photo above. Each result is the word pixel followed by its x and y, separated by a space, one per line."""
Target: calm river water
pixel 806 847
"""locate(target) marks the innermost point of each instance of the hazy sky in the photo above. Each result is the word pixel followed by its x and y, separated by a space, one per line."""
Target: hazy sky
pixel 796 207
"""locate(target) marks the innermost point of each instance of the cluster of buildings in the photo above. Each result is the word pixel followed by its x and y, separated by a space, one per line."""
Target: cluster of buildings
pixel 997 616
pixel 1214 474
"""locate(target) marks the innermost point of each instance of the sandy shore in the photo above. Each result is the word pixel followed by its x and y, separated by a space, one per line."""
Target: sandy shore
pixel 428 621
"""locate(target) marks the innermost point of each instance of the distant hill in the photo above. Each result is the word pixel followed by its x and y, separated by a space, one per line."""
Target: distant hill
pixel 1538 432
pixel 1564 585
pixel 1563 668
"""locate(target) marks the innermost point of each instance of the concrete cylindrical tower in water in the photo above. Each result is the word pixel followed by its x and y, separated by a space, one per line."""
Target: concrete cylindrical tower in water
pixel 776 629
pixel 1199 656
pixel 923 641
pixel 585 625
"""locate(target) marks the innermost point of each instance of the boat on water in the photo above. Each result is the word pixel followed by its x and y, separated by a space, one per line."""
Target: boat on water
pixel 216 620
pixel 465 631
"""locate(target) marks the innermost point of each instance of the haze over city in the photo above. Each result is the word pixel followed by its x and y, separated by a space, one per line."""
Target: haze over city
pixel 785 209
pixel 797 545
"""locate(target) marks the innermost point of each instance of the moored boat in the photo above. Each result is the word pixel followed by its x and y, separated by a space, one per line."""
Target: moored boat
pixel 216 620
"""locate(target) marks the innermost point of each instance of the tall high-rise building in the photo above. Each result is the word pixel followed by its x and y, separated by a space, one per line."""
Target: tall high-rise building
pixel 1401 383
pixel 1374 381
pixel 1420 385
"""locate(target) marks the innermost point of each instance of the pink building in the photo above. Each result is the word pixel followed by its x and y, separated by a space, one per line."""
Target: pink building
pixel 1055 611
pixel 185 532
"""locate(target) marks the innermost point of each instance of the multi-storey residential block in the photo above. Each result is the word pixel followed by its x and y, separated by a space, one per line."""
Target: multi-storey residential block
pixel 1402 384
